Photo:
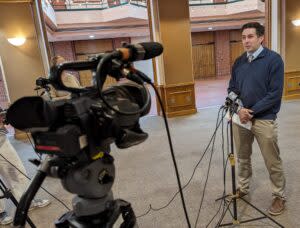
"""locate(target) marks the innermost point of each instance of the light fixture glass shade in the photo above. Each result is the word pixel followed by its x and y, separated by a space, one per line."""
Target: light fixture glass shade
pixel 296 22
pixel 17 41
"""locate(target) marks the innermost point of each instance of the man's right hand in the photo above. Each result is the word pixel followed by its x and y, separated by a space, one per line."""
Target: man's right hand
pixel 245 115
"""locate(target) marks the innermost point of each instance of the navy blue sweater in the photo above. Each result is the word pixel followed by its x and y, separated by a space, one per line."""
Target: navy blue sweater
pixel 260 83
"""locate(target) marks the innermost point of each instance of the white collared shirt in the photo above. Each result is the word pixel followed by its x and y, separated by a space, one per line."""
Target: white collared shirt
pixel 256 53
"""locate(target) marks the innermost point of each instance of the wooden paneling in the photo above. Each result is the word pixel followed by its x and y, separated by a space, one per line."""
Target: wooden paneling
pixel 178 99
pixel 236 46
pixel 85 76
pixel 93 46
pixel 292 85
pixel 202 38
pixel 204 61
pixel 117 42
pixel 235 35
pixel 236 49
pixel 86 48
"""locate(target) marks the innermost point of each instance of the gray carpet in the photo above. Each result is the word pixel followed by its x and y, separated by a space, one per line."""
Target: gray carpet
pixel 145 173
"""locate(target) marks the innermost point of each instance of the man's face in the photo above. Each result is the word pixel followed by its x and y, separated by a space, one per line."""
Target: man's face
pixel 251 41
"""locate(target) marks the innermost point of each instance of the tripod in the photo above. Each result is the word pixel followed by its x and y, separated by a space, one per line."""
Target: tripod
pixel 93 205
pixel 105 219
pixel 234 195
pixel 7 194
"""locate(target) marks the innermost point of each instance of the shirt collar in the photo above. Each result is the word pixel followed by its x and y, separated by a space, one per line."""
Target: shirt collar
pixel 256 53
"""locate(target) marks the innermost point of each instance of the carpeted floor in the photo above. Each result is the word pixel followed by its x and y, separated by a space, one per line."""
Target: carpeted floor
pixel 145 173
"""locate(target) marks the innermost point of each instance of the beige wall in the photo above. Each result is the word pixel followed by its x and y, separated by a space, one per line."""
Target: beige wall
pixel 22 65
pixel 292 36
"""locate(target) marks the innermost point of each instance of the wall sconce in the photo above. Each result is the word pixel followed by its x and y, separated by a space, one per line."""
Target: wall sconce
pixel 16 41
pixel 296 22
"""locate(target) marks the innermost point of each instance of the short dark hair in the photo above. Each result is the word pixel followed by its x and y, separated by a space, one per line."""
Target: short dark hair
pixel 260 29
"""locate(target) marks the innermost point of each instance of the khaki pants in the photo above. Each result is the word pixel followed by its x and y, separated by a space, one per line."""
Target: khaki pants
pixel 13 179
pixel 265 132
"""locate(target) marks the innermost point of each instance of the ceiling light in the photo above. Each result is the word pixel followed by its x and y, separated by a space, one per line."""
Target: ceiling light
pixel 210 28
pixel 91 36
pixel 16 41
pixel 296 22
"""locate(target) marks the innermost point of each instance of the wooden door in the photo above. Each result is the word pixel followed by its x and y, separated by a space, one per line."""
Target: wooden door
pixel 236 49
pixel 204 60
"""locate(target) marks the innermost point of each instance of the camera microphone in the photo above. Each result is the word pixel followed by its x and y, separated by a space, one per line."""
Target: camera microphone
pixel 140 51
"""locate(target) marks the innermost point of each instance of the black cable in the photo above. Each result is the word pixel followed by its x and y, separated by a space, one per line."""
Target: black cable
pixel 224 173
pixel 101 74
pixel 195 168
pixel 207 176
pixel 186 185
pixel 228 153
pixel 30 179
pixel 227 143
pixel 204 189
pixel 224 193
pixel 39 156
pixel 225 167
pixel 172 154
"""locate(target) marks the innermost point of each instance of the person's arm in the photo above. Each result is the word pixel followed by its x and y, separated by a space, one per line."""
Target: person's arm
pixel 275 87
pixel 244 114
pixel 232 86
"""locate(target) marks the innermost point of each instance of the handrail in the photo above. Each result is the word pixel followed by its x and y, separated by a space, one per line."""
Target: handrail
pixel 210 2
pixel 64 5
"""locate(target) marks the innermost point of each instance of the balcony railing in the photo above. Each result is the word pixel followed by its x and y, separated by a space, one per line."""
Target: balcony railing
pixel 210 2
pixel 92 4
pixel 105 4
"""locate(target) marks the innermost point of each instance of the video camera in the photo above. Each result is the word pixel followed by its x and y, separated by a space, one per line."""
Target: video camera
pixel 76 133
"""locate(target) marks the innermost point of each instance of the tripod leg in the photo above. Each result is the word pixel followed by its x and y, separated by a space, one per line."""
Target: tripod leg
pixel 262 213
pixel 224 213
pixel 222 197
pixel 8 195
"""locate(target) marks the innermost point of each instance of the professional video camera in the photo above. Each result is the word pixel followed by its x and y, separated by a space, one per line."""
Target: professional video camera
pixel 76 134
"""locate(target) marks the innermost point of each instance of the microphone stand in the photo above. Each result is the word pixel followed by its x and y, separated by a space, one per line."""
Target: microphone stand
pixel 232 197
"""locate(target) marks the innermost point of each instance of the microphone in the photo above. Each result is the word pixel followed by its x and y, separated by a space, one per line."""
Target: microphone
pixel 140 51
pixel 232 100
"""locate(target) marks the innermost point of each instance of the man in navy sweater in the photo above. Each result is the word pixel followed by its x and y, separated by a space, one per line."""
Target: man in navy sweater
pixel 258 75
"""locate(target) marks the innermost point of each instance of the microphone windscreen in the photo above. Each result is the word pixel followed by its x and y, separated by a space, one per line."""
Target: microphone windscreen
pixel 152 49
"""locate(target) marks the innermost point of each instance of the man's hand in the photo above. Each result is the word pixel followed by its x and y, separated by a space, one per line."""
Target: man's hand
pixel 245 115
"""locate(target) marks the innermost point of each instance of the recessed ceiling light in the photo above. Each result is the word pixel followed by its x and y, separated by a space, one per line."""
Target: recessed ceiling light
pixel 210 28
pixel 91 36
